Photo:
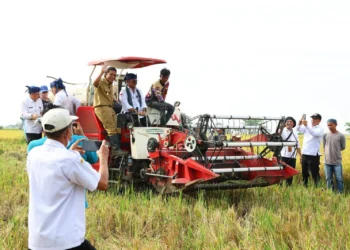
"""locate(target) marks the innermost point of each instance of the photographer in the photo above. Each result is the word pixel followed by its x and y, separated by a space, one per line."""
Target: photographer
pixel 57 181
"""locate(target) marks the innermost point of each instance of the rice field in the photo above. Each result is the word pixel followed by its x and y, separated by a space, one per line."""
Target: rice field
pixel 261 218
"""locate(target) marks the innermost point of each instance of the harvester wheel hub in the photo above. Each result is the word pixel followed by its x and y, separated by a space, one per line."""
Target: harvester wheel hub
pixel 190 143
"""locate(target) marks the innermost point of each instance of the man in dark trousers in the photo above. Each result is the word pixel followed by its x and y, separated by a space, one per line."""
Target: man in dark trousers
pixel 155 97
pixel 333 142
pixel 310 161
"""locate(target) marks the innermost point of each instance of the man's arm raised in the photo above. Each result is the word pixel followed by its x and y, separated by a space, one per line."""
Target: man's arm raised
pixel 98 78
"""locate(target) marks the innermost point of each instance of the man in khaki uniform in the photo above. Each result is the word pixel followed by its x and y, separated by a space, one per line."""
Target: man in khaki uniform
pixel 103 102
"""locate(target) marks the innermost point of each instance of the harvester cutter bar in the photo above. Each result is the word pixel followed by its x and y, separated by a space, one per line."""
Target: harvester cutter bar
pixel 227 185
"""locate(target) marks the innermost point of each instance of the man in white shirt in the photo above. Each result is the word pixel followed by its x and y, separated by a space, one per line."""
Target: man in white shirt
pixel 32 108
pixel 57 180
pixel 61 96
pixel 132 99
pixel 289 153
pixel 311 148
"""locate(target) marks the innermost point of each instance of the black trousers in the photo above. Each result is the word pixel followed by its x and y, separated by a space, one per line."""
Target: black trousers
pixel 291 162
pixel 311 164
pixel 162 107
pixel 32 137
pixel 86 245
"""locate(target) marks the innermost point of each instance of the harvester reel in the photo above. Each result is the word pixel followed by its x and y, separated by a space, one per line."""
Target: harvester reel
pixel 190 143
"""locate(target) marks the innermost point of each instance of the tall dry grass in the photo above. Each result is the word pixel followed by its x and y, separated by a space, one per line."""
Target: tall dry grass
pixel 261 218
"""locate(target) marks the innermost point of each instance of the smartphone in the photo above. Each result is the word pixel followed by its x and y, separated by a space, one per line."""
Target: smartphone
pixel 91 145
pixel 303 117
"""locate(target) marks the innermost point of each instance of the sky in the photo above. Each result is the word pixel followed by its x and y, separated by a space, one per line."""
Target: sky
pixel 272 58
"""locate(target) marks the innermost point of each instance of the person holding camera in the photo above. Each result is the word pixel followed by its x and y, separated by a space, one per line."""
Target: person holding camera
pixel 310 160
pixel 155 97
pixel 58 178
pixel 132 100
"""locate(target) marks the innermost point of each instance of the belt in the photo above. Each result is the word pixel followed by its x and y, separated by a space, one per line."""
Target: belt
pixel 102 106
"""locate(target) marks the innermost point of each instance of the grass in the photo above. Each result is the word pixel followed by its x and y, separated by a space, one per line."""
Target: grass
pixel 261 218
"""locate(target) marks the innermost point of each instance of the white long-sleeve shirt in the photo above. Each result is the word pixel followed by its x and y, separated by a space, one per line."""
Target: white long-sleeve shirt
pixel 66 101
pixel 292 152
pixel 123 97
pixel 30 107
pixel 312 139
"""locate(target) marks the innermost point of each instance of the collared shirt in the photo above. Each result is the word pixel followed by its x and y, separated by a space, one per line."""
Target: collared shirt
pixel 123 97
pixel 103 93
pixel 312 139
pixel 30 107
pixel 63 99
pixel 289 151
pixel 57 178
pixel 157 92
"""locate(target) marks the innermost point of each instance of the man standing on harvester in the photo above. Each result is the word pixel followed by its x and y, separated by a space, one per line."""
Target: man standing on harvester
pixel 103 103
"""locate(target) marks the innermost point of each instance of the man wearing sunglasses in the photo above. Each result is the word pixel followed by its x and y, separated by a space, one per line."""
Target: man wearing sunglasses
pixel 132 98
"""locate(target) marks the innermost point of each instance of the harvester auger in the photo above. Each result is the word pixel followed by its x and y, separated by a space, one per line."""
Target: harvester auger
pixel 185 160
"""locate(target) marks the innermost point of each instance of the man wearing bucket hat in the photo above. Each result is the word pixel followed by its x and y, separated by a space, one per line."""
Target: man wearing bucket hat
pixel 32 108
pixel 289 153
pixel 57 181
pixel 132 99
pixel 310 160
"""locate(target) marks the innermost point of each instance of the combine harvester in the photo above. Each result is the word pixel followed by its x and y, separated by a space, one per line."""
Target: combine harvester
pixel 179 157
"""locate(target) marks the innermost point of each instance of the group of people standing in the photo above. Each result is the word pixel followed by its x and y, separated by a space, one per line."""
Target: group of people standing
pixel 33 106
pixel 333 143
